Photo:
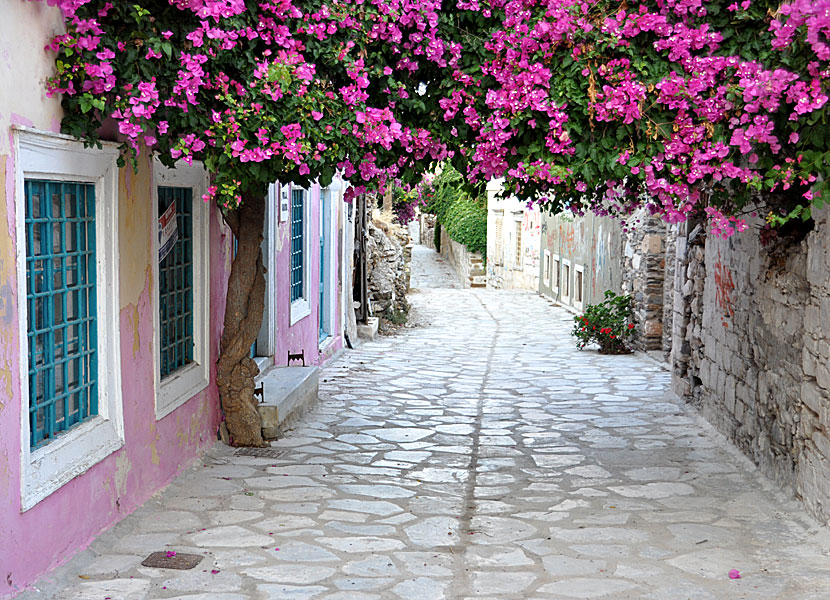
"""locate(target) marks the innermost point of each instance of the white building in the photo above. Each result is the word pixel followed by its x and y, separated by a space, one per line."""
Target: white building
pixel 513 241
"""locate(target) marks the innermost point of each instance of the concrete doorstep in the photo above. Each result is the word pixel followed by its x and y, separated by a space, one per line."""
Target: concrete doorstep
pixel 287 392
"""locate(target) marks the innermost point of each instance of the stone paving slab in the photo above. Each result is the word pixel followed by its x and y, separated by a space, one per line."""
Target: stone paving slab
pixel 478 456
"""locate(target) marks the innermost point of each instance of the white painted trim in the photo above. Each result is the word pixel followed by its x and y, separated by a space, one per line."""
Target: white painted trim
pixel 301 308
pixel 180 386
pixel 346 258
pixel 547 265
pixel 579 294
pixel 565 281
pixel 556 275
pixel 518 241
pixel 334 246
pixel 266 343
pixel 330 249
pixel 58 157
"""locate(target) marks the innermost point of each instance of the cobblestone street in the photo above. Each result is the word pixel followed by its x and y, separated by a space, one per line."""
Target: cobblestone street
pixel 477 454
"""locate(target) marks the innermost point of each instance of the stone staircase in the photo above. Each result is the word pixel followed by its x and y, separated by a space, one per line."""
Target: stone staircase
pixel 478 274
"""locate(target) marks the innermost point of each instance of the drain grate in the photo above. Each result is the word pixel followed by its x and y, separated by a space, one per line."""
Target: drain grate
pixel 260 452
pixel 172 560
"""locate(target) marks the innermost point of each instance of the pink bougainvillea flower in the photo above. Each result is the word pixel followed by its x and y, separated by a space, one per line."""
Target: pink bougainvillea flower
pixel 734 574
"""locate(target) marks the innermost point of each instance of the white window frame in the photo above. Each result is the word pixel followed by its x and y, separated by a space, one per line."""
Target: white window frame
pixel 556 277
pixel 546 268
pixel 62 158
pixel 266 342
pixel 579 291
pixel 518 242
pixel 301 308
pixel 498 237
pixel 332 241
pixel 565 281
pixel 181 385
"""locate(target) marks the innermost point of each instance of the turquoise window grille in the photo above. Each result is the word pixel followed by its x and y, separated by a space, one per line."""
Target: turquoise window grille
pixel 297 243
pixel 61 300
pixel 176 284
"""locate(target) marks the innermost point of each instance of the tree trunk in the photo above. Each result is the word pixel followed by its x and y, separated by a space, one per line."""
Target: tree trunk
pixel 243 319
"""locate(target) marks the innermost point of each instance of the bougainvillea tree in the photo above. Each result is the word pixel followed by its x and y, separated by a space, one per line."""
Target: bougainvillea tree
pixel 686 107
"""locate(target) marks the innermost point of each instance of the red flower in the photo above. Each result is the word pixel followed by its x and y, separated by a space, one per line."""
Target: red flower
pixel 631 325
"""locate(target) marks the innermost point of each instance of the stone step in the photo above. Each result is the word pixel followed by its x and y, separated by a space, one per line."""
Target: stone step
pixel 287 392
pixel 369 329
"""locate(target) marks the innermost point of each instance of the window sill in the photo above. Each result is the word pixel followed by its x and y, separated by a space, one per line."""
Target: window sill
pixel 300 309
pixel 179 387
pixel 66 457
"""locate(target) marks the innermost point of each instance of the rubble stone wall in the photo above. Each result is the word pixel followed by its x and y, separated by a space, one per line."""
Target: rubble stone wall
pixel 752 352
pixel 389 254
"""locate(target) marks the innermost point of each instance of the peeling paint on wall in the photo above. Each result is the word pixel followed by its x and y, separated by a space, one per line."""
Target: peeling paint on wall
pixel 136 226
pixel 154 438
pixel 122 470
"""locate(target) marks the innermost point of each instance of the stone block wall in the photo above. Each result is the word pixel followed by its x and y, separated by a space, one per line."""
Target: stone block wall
pixel 751 351
pixel 814 428
pixel 469 266
pixel 645 241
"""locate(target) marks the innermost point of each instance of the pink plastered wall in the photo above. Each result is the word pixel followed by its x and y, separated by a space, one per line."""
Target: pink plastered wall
pixel 154 451
pixel 304 334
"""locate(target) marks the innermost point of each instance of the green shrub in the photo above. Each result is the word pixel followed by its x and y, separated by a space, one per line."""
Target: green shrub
pixel 461 214
pixel 607 323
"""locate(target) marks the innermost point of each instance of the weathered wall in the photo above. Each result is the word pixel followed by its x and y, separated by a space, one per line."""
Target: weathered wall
pixel 154 450
pixel 513 259
pixel 303 335
pixel 669 279
pixel 751 351
pixel 645 241
pixel 624 257
pixel 591 242
pixel 514 238
pixel 468 266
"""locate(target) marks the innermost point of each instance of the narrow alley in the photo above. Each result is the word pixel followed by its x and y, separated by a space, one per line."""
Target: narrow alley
pixel 476 454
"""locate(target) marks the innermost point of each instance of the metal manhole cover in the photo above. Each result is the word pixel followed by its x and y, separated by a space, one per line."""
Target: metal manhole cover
pixel 260 452
pixel 172 560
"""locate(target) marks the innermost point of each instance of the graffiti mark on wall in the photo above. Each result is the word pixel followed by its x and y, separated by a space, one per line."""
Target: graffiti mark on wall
pixel 568 239
pixel 531 237
pixel 724 286
pixel 532 222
